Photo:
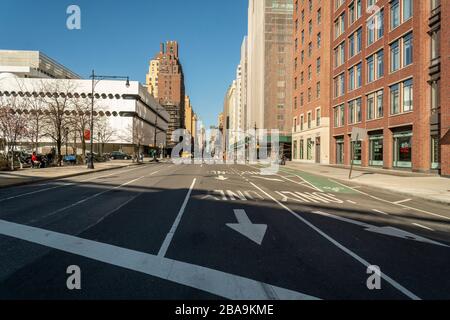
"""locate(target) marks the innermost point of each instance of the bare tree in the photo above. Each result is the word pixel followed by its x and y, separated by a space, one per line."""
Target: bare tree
pixel 80 119
pixel 104 133
pixel 59 106
pixel 12 124
pixel 135 135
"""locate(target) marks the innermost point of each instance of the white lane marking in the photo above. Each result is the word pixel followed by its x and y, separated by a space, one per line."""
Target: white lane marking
pixel 64 185
pixel 221 178
pixel 402 201
pixel 352 202
pixel 379 211
pixel 366 264
pixel 305 183
pixel 92 197
pixel 113 211
pixel 268 179
pixel 398 204
pixel 218 283
pixel 254 232
pixel 388 231
pixel 169 237
pixel 423 227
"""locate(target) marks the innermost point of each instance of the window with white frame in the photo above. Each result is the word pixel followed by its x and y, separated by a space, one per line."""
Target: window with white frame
pixel 354 111
pixel 355 77
pixel 375 105
pixel 339 85
pixel 339 55
pixel 375 27
pixel 375 66
pixel 402 52
pixel 401 97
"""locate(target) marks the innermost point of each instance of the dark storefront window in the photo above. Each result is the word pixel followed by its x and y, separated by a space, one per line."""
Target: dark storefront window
pixel 435 153
pixel 376 151
pixel 356 152
pixel 340 151
pixel 403 150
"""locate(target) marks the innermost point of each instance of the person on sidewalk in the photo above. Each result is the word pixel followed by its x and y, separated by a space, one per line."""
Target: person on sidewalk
pixel 35 163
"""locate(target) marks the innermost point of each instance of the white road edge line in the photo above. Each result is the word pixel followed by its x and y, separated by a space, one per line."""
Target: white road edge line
pixel 423 227
pixel 398 204
pixel 169 237
pixel 216 282
pixel 379 211
pixel 391 281
pixel 64 185
pixel 92 197
pixel 402 201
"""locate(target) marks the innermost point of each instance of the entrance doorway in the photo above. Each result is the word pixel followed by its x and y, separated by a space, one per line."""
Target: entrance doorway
pixel 318 150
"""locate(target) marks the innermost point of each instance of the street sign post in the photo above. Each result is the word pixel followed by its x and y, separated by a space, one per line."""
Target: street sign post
pixel 358 134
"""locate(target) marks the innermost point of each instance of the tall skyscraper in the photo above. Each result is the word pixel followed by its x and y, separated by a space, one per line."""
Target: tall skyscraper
pixel 152 78
pixel 311 81
pixel 270 65
pixel 169 86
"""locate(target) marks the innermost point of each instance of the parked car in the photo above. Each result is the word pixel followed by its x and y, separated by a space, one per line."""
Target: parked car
pixel 117 155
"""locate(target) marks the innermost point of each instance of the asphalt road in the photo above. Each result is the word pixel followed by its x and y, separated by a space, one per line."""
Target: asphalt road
pixel 164 231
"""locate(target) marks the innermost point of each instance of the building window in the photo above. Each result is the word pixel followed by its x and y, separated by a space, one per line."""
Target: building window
pixel 403 150
pixel 356 152
pixel 395 14
pixel 318 90
pixel 435 96
pixel 339 25
pixel 339 85
pixel 375 27
pixel 354 77
pixel 309 120
pixel 376 146
pixel 319 40
pixel 375 66
pixel 339 116
pixel 355 43
pixel 295 149
pixel 318 117
pixel 375 105
pixel 354 111
pixel 395 56
pixel 407 50
pixel 319 16
pixel 395 99
pixel 302 121
pixel 340 151
pixel 309 148
pixel 402 97
pixel 407 9
pixel 339 55
pixel 318 66
pixel 408 95
pixel 435 153
pixel 302 150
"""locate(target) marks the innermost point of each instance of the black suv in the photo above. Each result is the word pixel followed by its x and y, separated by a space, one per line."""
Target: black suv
pixel 117 155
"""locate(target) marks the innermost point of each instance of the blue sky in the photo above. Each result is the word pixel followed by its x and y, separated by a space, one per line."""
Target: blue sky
pixel 120 37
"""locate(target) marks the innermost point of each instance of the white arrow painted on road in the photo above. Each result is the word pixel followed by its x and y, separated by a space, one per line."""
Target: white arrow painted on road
pixel 221 178
pixel 268 179
pixel 388 231
pixel 254 232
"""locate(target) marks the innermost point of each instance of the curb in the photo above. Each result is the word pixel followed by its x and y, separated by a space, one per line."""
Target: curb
pixel 447 203
pixel 25 183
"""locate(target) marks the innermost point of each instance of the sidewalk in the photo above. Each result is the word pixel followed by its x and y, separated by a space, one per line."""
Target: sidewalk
pixel 28 176
pixel 410 184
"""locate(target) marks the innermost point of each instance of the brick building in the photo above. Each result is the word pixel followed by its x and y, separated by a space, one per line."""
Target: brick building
pixel 311 104
pixel 170 86
pixel 389 75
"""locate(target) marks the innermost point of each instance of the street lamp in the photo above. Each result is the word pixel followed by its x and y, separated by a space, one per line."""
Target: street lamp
pixel 95 80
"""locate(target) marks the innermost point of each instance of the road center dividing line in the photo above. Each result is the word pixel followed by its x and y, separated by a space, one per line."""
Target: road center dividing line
pixel 216 282
pixel 169 237
pixel 366 264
